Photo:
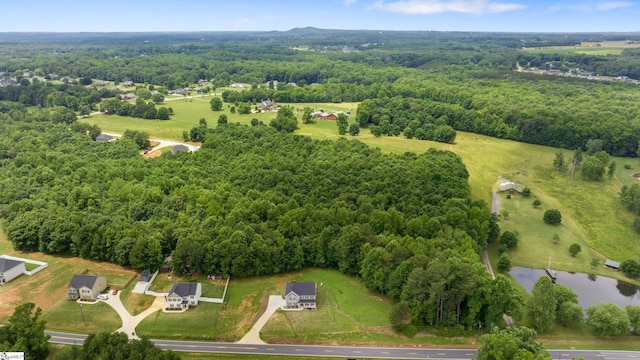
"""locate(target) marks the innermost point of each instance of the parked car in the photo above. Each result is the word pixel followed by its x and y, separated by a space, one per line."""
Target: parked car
pixel 115 292
pixel 103 297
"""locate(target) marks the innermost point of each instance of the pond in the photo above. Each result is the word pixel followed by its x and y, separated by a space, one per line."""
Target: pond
pixel 591 289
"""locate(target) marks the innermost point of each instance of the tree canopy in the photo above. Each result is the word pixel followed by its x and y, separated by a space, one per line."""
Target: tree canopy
pixel 25 332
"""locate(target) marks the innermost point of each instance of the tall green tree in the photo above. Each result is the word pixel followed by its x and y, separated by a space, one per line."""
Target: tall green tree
pixel 306 115
pixel 285 121
pixel 146 254
pixel 633 313
pixel 511 343
pixel 542 304
pixel 552 217
pixel 559 163
pixel 216 104
pixel 342 123
pixel 608 319
pixel 25 332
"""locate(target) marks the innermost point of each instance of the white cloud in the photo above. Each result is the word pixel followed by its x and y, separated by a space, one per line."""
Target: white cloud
pixel 610 5
pixel 440 6
pixel 589 7
pixel 349 2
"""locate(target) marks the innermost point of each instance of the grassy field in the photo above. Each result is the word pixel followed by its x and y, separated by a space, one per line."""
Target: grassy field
pixel 189 111
pixel 66 316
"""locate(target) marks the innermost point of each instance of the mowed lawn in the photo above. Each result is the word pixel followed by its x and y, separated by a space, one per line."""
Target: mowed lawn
pixel 345 306
pixel 189 111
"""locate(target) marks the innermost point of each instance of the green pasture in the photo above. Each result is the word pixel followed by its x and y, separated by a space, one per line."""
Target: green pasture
pixel 66 316
pixel 189 111
pixel 579 50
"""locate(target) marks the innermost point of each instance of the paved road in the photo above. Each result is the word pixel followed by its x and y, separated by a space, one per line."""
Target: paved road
pixel 344 351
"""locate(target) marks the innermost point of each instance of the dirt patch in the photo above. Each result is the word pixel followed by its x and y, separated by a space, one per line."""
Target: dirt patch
pixel 153 154
pixel 248 318
pixel 45 289
pixel 140 303
pixel 636 176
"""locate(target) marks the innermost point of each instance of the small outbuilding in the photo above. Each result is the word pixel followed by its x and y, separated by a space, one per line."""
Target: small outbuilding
pixel 145 275
pixel 10 269
pixel 612 264
pixel 510 187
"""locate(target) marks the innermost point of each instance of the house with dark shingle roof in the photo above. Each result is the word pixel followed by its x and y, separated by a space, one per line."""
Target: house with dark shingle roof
pixel 179 148
pixel 267 105
pixel 10 269
pixel 86 287
pixel 104 138
pixel 183 295
pixel 300 295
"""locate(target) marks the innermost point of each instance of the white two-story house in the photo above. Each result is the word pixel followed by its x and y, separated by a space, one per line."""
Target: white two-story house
pixel 183 295
pixel 300 295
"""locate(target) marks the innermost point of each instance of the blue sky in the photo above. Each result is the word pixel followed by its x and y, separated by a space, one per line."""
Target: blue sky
pixel 245 15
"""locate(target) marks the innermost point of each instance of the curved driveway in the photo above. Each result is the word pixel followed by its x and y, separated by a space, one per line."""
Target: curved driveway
pixel 130 322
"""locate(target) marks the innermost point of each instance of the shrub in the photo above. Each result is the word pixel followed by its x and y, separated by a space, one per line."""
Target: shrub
pixel 627 166
pixel 631 268
pixel 526 192
pixel 574 249
pixel 552 217
pixel 509 240
pixel 504 263
pixel 536 203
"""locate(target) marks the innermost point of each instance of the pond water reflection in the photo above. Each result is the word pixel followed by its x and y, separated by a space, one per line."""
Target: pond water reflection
pixel 591 289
